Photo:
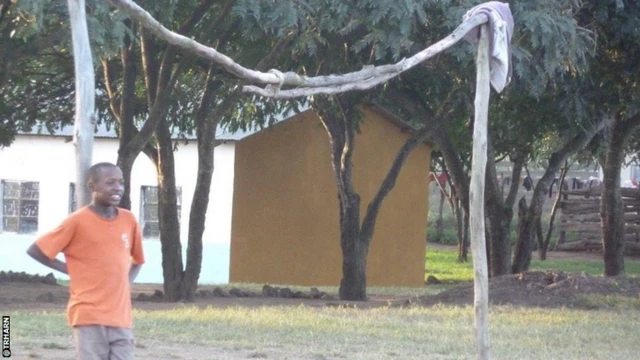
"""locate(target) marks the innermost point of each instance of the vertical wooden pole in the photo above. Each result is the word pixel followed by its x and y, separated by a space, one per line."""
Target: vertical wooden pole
pixel 85 98
pixel 476 198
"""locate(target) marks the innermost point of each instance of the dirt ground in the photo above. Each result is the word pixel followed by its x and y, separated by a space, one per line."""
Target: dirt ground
pixel 35 296
pixel 540 289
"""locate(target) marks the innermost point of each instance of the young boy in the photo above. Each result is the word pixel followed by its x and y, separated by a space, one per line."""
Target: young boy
pixel 102 245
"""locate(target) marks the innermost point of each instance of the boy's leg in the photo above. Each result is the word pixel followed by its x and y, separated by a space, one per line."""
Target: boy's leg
pixel 120 343
pixel 91 342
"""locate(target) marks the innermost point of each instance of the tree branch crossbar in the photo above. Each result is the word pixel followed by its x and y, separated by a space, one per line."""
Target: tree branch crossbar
pixel 275 80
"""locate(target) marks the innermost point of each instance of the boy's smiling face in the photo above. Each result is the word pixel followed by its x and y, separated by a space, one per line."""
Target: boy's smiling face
pixel 107 186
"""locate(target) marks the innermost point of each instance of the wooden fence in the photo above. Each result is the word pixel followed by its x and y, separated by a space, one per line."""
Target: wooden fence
pixel 580 220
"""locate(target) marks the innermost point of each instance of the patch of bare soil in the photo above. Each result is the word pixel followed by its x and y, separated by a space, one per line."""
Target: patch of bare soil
pixel 24 291
pixel 19 291
pixel 551 289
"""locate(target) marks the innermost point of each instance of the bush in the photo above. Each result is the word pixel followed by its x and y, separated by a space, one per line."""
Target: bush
pixel 449 234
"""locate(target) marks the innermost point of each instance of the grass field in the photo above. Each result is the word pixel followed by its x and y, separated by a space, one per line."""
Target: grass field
pixel 331 333
pixel 443 265
pixel 322 333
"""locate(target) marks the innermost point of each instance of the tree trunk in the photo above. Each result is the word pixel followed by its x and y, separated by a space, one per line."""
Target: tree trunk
pixel 612 209
pixel 562 236
pixel 127 156
pixel 440 220
pixel 529 221
pixel 466 233
pixel 206 124
pixel 125 163
pixel 85 99
pixel 207 120
pixel 463 248
pixel 554 210
pixel 455 168
pixel 539 232
pixel 534 212
pixel 499 244
pixel 459 182
pixel 500 215
pixel 338 115
pixel 522 255
pixel 168 216
pixel 198 212
pixel 353 285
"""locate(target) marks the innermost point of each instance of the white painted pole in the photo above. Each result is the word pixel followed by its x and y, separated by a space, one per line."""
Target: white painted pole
pixel 85 98
pixel 476 198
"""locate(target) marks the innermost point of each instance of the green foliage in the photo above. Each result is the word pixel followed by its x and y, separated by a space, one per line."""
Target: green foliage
pixel 610 86
pixel 449 235
pixel 549 47
pixel 327 36
pixel 37 63
pixel 33 67
pixel 107 29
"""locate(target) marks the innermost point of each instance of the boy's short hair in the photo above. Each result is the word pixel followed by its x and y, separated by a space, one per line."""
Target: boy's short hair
pixel 94 170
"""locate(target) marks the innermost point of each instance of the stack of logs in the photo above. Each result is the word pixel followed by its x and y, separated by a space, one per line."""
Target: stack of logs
pixel 580 215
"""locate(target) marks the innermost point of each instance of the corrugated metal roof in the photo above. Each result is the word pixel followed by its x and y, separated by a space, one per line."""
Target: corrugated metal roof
pixel 222 133
pixel 104 131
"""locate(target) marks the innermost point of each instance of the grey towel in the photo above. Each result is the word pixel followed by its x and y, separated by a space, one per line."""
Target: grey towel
pixel 500 33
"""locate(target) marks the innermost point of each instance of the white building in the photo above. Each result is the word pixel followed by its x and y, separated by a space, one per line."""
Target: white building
pixel 37 173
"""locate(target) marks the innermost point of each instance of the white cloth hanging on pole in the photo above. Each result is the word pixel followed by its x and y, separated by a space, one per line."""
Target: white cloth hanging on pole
pixel 500 33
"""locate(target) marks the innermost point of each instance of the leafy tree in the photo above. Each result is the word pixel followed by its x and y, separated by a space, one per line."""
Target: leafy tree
pixel 34 65
pixel 515 116
pixel 611 91
pixel 320 31
pixel 176 94
pixel 352 36
pixel 141 83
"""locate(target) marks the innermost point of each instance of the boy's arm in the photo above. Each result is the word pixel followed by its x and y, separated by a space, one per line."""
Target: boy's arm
pixel 137 253
pixel 35 252
pixel 133 272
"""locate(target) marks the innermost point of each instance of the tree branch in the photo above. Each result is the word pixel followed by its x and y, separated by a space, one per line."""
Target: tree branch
pixel 156 113
pixel 5 5
pixel 197 15
pixel 127 93
pixel 557 159
pixel 111 93
pixel 518 163
pixel 359 80
pixel 170 53
pixel 389 181
pixel 630 124
pixel 150 66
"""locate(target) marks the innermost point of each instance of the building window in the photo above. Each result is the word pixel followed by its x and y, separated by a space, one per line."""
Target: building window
pixel 20 202
pixel 149 210
pixel 73 203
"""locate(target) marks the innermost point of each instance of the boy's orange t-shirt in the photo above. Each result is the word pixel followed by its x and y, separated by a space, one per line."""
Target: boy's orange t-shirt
pixel 98 253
